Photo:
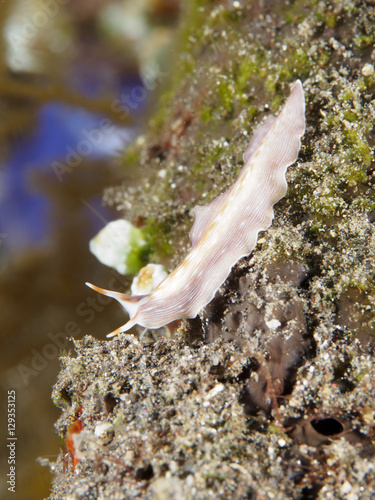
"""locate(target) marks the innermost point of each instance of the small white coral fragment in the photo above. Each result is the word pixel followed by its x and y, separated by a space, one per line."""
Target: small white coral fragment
pixel 214 391
pixel 104 432
pixel 273 324
pixel 368 70
pixel 119 245
pixel 148 279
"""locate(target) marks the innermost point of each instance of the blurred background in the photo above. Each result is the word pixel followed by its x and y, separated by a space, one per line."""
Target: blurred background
pixel 78 80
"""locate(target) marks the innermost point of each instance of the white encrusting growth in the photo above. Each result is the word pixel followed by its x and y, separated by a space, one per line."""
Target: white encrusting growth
pixel 227 228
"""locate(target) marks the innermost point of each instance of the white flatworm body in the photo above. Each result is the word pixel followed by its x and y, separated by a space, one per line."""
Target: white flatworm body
pixel 227 228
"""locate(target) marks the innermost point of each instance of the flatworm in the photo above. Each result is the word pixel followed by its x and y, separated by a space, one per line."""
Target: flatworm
pixel 227 228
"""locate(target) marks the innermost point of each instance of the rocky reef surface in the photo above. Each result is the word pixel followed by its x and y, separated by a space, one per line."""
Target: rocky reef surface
pixel 269 392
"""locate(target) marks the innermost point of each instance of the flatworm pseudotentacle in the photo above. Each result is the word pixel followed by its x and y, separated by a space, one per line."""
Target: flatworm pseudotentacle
pixel 227 228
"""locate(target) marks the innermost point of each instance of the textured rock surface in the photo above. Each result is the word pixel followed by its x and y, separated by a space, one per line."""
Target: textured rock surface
pixel 269 393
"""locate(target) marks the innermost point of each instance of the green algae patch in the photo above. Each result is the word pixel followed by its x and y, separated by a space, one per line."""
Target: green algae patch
pixel 156 235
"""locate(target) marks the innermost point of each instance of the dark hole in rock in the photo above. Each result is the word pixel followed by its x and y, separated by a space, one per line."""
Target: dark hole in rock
pixel 125 387
pixel 309 493
pixel 154 415
pixel 170 413
pixel 317 431
pixel 251 365
pixel 255 425
pixel 254 398
pixel 65 396
pixel 327 426
pixel 145 473
pixel 110 402
pixel 250 494
pixel 217 370
pixel 163 468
